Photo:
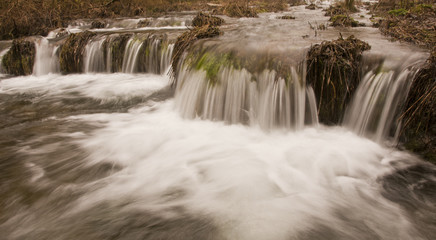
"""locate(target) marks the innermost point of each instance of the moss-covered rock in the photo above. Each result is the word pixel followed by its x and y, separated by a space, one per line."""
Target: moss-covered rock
pixel 205 27
pixel 71 54
pixel 212 59
pixel 419 128
pixel 20 58
pixel 116 47
pixel 333 70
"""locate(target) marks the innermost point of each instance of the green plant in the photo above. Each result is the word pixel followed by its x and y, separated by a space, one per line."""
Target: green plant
pixel 398 12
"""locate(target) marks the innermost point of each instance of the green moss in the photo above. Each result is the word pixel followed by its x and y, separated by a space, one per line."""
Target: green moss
pixel 420 8
pixel 210 62
pixel 398 12
pixel 20 58
pixel 186 40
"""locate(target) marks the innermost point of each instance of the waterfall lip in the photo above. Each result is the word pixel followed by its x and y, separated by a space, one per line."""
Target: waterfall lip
pixel 143 29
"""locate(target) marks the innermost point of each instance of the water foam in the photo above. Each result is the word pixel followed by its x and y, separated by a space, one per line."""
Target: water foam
pixel 254 184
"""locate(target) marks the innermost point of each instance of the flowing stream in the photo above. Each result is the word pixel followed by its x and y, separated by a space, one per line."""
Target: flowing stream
pixel 121 154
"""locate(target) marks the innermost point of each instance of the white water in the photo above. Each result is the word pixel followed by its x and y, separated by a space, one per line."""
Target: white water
pixel 130 55
pixel 376 103
pixel 174 159
pixel 236 98
pixel 255 185
pixel 94 56
pixel 250 183
pixel 105 87
pixel 159 57
pixel 46 58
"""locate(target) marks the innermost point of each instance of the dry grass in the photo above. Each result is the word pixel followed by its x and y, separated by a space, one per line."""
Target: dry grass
pixel 419 118
pixel 415 25
pixel 20 18
pixel 333 70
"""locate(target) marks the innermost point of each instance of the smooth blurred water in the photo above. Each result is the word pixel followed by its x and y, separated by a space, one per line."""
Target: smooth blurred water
pixel 123 164
pixel 125 156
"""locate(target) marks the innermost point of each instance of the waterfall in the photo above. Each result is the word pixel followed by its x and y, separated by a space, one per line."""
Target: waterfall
pixel 131 55
pixel 376 103
pixel 46 58
pixel 157 55
pixel 166 55
pixel 140 53
pixel 268 100
pixel 94 56
pixel 374 110
pixel 235 97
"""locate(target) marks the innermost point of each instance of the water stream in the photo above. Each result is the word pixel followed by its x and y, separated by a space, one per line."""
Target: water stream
pixel 102 155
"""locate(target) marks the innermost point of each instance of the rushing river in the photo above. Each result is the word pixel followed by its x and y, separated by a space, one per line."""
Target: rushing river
pixel 105 155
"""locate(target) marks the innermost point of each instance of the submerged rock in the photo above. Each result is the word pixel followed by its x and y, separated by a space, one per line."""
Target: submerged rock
pixel 98 24
pixel 71 54
pixel 286 17
pixel 333 70
pixel 144 23
pixel 20 58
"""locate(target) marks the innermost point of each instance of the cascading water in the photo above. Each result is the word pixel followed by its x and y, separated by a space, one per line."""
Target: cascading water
pixel 131 55
pixel 46 58
pixel 376 102
pixel 236 98
pixel 94 56
pixel 374 109
pixel 140 55
pixel 125 156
